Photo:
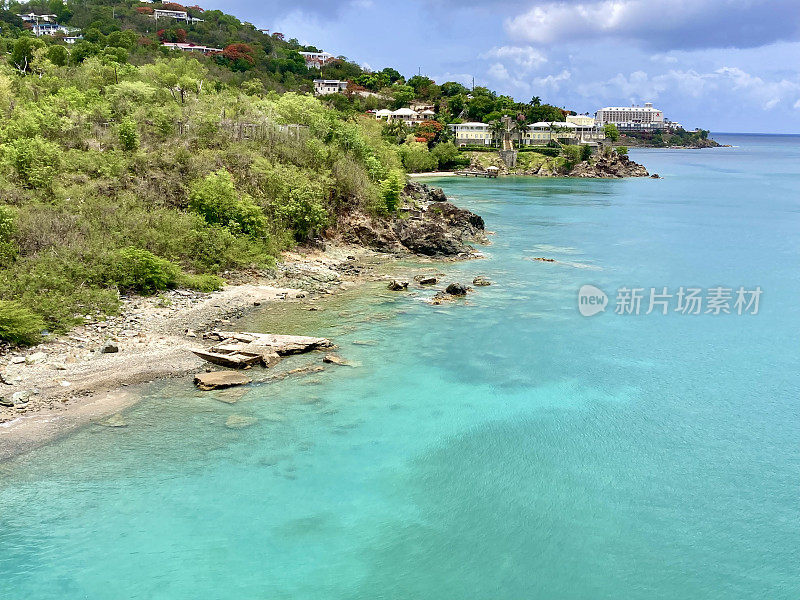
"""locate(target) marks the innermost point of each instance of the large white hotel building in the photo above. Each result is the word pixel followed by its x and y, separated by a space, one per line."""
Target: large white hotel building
pixel 632 117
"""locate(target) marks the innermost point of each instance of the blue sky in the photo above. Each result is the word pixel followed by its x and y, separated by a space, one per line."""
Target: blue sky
pixel 725 65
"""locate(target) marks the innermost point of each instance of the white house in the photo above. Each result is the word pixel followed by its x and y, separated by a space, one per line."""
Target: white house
pixel 178 15
pixel 190 47
pixel 636 118
pixel 543 132
pixel 317 60
pixel 323 87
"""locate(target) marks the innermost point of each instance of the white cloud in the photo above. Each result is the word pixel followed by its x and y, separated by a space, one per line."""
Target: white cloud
pixel 659 23
pixel 728 82
pixel 498 71
pixel 525 57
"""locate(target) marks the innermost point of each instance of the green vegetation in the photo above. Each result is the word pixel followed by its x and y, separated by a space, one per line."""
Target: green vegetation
pixel 18 325
pixel 611 131
pixel 125 168
pixel 673 137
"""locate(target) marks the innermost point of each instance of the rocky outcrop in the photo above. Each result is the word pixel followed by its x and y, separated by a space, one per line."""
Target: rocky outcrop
pixel 219 380
pixel 427 224
pixel 613 166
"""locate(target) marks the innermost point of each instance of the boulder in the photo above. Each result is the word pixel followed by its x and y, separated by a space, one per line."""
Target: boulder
pixel 218 380
pixel 456 289
pixel 21 397
pixel 109 348
pixel 480 280
pixel 398 286
pixel 428 281
pixel 655 176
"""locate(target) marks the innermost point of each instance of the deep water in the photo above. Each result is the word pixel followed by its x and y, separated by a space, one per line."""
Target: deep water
pixel 496 449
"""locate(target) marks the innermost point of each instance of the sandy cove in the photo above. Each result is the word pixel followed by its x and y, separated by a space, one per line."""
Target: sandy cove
pixel 70 380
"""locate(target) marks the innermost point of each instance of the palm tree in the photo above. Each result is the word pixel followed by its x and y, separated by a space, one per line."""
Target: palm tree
pixel 519 128
pixel 536 101
pixel 498 130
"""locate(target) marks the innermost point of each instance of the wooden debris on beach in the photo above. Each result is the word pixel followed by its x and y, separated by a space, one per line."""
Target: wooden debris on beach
pixel 241 350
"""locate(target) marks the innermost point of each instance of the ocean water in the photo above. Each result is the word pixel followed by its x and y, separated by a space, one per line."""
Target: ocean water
pixel 505 447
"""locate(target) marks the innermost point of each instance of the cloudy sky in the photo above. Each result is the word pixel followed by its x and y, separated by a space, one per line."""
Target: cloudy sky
pixel 725 65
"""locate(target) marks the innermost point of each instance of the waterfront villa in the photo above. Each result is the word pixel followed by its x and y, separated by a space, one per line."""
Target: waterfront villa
pixel 472 134
pixel 323 87
pixel 537 134
pixel 406 115
pixel 632 118
pixel 317 60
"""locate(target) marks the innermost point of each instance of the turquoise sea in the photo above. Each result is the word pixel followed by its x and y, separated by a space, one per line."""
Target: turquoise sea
pixel 504 448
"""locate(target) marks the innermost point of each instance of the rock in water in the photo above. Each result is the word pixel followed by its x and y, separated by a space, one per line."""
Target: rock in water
pixel 398 286
pixel 480 280
pixel 456 289
pixel 218 380
pixel 114 421
pixel 240 421
pixel 428 281
pixel 333 359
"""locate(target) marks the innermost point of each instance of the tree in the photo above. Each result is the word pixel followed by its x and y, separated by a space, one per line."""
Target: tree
pixel 403 94
pixel 611 131
pixel 58 55
pixel 179 75
pixel 498 129
pixel 216 199
pixel 536 101
pixel 128 135
pixel 392 189
pixel 22 53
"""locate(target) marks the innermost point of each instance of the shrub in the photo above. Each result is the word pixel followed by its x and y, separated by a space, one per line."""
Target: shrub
pixel 35 161
pixel 391 189
pixel 586 152
pixel 141 271
pixel 128 135
pixel 216 199
pixel 417 158
pixel 621 150
pixel 448 156
pixel 201 283
pixel 19 325
pixel 8 248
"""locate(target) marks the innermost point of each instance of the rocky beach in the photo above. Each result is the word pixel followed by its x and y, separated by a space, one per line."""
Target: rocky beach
pixel 79 377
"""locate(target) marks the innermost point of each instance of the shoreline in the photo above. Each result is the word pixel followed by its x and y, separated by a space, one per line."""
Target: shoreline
pixel 76 383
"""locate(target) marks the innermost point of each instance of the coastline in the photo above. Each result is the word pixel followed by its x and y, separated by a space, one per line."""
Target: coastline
pixel 76 383
pixel 81 377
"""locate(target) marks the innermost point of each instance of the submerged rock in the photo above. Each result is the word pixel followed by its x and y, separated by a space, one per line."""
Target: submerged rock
pixel 481 281
pixel 218 380
pixel 240 421
pixel 333 359
pixel 114 421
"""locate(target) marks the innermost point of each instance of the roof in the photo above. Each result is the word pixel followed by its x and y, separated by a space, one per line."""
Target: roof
pixel 428 112
pixel 472 124
pixel 404 111
pixel 383 111
pixel 554 123
pixel 639 108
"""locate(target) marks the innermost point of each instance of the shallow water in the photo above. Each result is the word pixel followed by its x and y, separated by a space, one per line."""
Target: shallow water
pixel 505 447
